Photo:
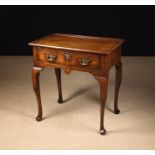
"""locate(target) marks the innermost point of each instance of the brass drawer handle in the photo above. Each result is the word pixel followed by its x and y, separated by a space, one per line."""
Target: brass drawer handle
pixel 51 58
pixel 84 61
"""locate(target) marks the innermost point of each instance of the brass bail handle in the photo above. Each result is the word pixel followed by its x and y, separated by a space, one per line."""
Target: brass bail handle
pixel 51 58
pixel 84 61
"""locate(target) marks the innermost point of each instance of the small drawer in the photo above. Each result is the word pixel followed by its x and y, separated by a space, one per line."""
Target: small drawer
pixel 85 60
pixel 80 60
pixel 50 56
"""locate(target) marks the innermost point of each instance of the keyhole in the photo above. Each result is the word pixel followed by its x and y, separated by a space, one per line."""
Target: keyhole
pixel 67 56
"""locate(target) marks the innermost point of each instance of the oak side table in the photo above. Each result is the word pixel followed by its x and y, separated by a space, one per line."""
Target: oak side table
pixel 95 55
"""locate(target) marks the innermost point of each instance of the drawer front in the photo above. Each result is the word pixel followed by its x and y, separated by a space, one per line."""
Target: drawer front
pixel 85 60
pixel 68 58
pixel 50 56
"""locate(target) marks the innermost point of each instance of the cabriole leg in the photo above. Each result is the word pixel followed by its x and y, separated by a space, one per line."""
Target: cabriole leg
pixel 58 77
pixel 35 82
pixel 118 80
pixel 103 82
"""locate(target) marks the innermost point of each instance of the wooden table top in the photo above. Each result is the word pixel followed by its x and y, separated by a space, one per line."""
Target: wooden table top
pixel 98 45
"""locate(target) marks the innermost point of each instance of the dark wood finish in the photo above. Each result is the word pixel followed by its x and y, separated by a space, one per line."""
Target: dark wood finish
pixel 58 77
pixel 95 55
